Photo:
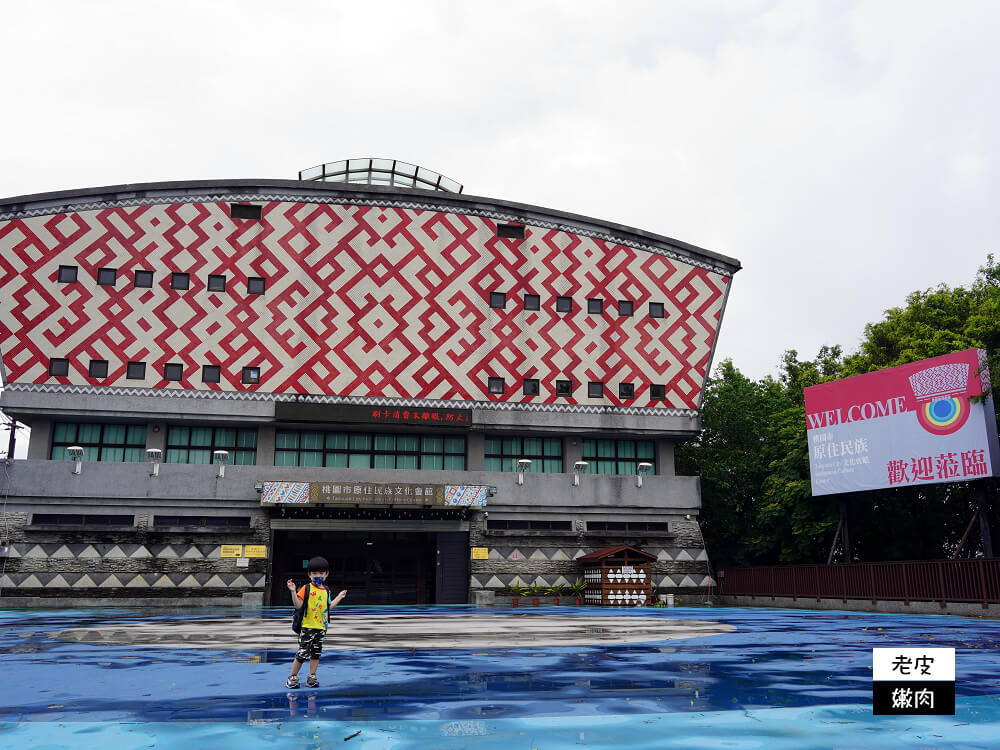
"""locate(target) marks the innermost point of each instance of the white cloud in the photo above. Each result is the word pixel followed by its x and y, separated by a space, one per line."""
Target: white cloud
pixel 842 151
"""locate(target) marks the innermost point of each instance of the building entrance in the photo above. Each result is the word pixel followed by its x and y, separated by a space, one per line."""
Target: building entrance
pixel 376 567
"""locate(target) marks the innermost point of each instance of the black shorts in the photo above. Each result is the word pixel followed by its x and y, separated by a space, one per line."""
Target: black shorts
pixel 310 644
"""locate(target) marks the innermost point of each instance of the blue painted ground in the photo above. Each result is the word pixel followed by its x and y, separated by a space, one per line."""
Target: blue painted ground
pixel 783 679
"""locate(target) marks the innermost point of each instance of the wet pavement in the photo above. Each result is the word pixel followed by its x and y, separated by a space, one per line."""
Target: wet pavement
pixel 454 677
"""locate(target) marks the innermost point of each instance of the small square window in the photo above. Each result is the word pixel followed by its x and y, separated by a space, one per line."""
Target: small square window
pixel 173 371
pixel 135 371
pixel 595 306
pixel 107 276
pixel 625 307
pixel 98 368
pixel 180 280
pixel 211 374
pixel 245 211
pixel 532 302
pixel 67 274
pixel 495 385
pixel 656 309
pixel 216 283
pixel 143 279
pixel 657 392
pixel 251 376
pixel 510 231
pixel 595 389
pixel 564 387
pixel 498 300
pixel 58 367
pixel 531 387
pixel 564 304
pixel 255 285
pixel 626 390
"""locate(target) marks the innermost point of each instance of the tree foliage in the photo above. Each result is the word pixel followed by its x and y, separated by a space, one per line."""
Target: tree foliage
pixel 752 455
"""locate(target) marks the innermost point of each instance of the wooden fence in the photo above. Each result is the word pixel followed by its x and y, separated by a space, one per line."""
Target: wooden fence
pixel 923 580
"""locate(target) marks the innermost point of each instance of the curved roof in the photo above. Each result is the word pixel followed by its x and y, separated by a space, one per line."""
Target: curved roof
pixel 250 189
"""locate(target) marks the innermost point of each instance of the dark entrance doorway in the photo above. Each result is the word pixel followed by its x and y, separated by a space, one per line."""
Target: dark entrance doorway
pixel 376 567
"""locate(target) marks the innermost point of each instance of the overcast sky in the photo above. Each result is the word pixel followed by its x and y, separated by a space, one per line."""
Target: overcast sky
pixel 843 152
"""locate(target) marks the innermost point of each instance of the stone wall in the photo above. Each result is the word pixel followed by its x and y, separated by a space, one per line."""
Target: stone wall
pixel 549 559
pixel 105 566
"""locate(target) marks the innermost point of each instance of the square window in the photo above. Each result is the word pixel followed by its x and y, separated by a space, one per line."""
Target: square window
pixel 216 283
pixel 495 385
pixel 564 387
pixel 595 306
pixel 510 231
pixel 498 300
pixel 595 389
pixel 173 371
pixel 58 367
pixel 251 375
pixel 626 390
pixel 107 276
pixel 180 280
pixel 625 307
pixel 656 309
pixel 135 371
pixel 531 387
pixel 564 304
pixel 143 279
pixel 657 392
pixel 67 274
pixel 255 285
pixel 245 211
pixel 211 374
pixel 532 302
pixel 98 368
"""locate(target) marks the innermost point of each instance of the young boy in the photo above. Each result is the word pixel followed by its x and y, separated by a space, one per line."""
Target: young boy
pixel 314 620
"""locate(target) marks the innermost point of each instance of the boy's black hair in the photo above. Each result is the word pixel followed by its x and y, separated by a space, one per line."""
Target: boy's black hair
pixel 319 565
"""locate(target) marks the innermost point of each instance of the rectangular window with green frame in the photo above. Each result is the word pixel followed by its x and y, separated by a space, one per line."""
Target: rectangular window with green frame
pixel 197 444
pixel 100 442
pixel 503 453
pixel 361 450
pixel 618 456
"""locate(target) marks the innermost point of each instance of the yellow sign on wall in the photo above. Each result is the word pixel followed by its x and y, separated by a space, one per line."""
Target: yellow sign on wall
pixel 231 550
pixel 480 553
pixel 255 550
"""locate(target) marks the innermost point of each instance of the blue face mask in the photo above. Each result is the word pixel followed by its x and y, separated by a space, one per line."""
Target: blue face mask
pixel 318 580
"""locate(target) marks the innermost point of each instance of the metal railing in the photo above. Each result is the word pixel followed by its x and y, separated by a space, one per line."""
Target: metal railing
pixel 922 580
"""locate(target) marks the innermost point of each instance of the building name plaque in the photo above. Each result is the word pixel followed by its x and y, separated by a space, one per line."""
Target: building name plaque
pixel 298 411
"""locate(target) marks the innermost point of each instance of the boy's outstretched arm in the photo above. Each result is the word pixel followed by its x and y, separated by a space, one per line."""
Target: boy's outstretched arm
pixel 295 596
pixel 338 598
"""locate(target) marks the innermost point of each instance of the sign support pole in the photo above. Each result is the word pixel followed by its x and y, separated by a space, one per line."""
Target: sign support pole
pixel 984 518
pixel 848 553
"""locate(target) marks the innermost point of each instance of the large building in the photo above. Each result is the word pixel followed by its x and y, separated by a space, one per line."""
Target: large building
pixel 440 393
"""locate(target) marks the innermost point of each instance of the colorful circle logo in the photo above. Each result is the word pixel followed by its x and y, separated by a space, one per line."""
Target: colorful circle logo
pixel 944 416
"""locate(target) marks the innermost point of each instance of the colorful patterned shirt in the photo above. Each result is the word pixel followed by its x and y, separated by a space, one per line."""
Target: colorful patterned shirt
pixel 316 608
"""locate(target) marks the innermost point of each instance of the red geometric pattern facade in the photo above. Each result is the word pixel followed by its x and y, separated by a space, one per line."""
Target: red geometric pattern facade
pixel 360 300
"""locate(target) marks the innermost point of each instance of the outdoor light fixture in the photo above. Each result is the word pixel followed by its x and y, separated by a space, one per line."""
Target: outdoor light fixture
pixel 522 466
pixel 153 455
pixel 259 486
pixel 643 468
pixel 220 458
pixel 76 453
pixel 578 468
